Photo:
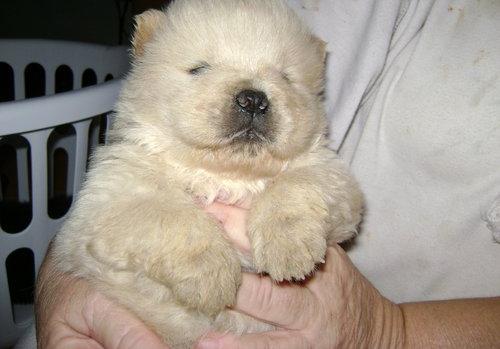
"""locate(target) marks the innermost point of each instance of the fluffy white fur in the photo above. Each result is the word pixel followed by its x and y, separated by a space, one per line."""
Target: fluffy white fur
pixel 136 231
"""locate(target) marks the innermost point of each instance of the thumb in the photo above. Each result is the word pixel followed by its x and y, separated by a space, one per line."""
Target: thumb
pixel 116 328
pixel 267 340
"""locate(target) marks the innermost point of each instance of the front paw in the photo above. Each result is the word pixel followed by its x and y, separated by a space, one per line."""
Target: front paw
pixel 288 247
pixel 211 282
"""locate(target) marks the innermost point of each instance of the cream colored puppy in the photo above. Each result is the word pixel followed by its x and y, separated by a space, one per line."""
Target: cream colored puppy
pixel 224 102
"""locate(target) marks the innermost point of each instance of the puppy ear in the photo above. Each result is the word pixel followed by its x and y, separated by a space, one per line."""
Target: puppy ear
pixel 321 47
pixel 145 26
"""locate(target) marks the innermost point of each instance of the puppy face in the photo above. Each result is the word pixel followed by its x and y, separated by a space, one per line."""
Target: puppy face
pixel 228 84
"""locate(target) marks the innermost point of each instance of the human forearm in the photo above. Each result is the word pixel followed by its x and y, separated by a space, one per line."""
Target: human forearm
pixel 471 323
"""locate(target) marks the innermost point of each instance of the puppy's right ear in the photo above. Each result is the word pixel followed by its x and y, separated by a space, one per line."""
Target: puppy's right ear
pixel 145 26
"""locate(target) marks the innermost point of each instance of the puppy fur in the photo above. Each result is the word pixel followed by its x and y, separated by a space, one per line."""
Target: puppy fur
pixel 180 140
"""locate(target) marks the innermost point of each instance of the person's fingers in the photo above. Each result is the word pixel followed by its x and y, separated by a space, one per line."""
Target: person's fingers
pixel 337 270
pixel 62 336
pixel 116 328
pixel 219 211
pixel 267 340
pixel 286 305
pixel 233 219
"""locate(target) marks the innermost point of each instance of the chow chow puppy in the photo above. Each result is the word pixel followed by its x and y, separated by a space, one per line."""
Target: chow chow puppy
pixel 224 102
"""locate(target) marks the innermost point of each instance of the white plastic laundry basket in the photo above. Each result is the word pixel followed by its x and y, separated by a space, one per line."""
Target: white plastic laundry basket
pixel 48 127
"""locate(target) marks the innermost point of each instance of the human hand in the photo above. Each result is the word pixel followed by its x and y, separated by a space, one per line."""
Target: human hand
pixel 71 314
pixel 233 219
pixel 337 307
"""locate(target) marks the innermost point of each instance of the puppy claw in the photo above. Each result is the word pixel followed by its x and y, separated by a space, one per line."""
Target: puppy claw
pixel 290 256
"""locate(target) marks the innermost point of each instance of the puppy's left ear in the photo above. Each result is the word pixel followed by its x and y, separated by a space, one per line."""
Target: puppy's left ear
pixel 319 72
pixel 146 25
pixel 321 48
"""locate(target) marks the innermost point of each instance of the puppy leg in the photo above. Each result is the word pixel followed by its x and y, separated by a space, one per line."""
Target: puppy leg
pixel 173 242
pixel 300 213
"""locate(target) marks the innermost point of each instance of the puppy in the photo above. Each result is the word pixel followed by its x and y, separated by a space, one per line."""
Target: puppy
pixel 224 102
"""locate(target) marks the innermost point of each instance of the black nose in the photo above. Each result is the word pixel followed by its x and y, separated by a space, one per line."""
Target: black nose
pixel 253 102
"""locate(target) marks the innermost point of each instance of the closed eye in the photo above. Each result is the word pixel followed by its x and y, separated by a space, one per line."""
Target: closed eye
pixel 199 68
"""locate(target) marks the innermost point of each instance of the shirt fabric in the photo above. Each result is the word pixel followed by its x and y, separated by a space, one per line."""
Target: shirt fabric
pixel 413 97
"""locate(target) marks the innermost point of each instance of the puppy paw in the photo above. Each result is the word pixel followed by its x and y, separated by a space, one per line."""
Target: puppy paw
pixel 288 248
pixel 211 284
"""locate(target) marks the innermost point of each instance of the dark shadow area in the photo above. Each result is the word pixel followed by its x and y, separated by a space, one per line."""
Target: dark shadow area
pixel 60 166
pixel 64 79
pixel 15 183
pixel 89 78
pixel 20 266
pixel 34 81
pixel 7 92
